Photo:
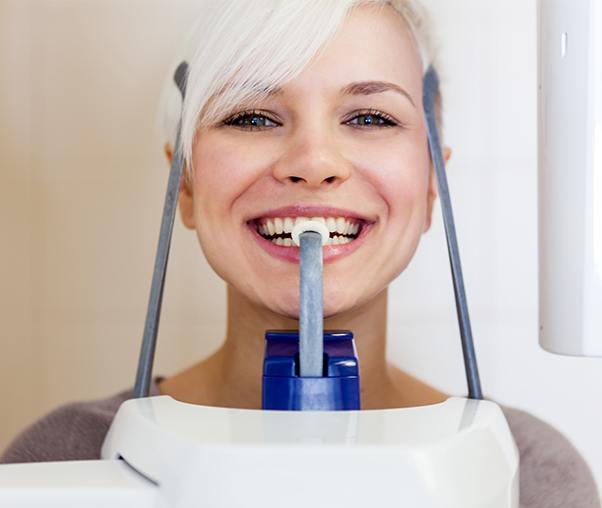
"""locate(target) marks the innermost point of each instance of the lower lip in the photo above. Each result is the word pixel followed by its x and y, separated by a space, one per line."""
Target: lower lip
pixel 291 254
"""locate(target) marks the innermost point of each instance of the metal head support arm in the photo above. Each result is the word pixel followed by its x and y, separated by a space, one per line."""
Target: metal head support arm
pixel 431 90
pixel 153 313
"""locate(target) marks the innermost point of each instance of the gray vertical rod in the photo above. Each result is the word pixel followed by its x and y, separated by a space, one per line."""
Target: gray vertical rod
pixel 153 313
pixel 311 310
pixel 431 89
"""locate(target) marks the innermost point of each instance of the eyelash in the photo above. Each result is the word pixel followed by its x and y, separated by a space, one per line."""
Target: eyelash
pixel 389 121
pixel 243 114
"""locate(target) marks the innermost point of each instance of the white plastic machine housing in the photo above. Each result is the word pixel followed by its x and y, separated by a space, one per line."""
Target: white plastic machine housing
pixel 570 176
pixel 457 454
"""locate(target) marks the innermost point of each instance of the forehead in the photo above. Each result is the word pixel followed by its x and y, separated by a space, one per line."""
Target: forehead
pixel 373 43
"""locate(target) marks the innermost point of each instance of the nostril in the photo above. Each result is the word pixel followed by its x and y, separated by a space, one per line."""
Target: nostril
pixel 295 179
pixel 330 179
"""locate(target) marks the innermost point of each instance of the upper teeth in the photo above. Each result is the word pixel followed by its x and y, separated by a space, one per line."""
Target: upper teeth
pixel 278 226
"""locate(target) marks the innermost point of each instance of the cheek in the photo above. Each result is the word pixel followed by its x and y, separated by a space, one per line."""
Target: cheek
pixel 223 171
pixel 400 174
pixel 219 175
pixel 402 181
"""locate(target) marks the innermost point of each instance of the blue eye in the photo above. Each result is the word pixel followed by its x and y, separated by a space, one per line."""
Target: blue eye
pixel 255 120
pixel 372 119
pixel 251 120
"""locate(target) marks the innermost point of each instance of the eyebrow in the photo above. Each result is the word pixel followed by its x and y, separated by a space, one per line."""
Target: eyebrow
pixel 374 87
pixel 362 88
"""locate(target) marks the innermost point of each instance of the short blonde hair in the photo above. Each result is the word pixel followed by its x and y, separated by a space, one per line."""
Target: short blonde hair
pixel 240 49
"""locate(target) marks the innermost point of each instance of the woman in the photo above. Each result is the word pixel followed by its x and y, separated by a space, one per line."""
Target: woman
pixel 307 109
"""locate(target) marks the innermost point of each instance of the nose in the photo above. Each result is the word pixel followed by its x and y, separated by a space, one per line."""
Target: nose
pixel 312 159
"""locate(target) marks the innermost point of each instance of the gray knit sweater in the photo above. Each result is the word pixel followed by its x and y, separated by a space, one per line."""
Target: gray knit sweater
pixel 552 473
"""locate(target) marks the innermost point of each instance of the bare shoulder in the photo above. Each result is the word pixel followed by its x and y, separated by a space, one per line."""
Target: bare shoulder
pixel 552 472
pixel 74 431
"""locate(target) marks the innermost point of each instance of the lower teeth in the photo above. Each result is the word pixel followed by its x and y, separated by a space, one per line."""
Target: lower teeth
pixel 283 242
pixel 288 242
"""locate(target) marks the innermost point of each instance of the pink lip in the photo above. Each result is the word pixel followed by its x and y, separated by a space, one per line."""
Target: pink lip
pixel 291 254
pixel 331 252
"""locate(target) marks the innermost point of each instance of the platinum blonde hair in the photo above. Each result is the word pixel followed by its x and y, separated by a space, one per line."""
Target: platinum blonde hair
pixel 241 49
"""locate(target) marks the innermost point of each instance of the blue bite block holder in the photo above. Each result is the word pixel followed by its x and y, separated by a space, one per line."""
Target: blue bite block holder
pixel 283 388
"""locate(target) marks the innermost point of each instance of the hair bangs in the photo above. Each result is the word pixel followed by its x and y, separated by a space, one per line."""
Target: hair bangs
pixel 248 50
pixel 240 51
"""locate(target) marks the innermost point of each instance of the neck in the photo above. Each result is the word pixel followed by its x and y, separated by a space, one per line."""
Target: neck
pixel 232 377
pixel 243 349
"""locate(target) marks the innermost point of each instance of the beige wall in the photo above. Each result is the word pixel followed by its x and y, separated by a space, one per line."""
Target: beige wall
pixel 82 179
pixel 81 190
pixel 17 351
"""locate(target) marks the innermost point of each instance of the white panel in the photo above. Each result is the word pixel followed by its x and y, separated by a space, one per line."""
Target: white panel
pixel 91 483
pixel 570 177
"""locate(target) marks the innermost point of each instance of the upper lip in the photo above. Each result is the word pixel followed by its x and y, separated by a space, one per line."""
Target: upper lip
pixel 310 211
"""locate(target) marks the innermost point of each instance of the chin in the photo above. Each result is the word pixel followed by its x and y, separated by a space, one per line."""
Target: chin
pixel 283 303
pixel 286 304
pixel 338 300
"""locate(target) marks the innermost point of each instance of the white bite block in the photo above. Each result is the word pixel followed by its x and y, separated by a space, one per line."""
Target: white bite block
pixel 310 225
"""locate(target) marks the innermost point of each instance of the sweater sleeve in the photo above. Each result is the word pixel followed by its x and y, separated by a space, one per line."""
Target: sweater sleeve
pixel 552 473
pixel 74 431
pixel 71 432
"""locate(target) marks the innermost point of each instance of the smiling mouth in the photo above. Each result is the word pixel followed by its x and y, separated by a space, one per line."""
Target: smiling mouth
pixel 343 230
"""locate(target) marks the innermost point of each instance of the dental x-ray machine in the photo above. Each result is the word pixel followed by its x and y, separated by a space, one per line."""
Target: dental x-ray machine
pixel 311 444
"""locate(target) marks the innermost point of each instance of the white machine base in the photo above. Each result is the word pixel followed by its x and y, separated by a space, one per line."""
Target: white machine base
pixel 457 454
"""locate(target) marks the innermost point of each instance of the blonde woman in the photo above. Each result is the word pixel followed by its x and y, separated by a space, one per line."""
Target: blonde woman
pixel 307 108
